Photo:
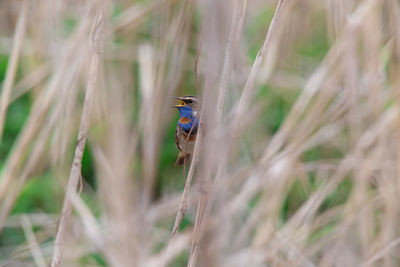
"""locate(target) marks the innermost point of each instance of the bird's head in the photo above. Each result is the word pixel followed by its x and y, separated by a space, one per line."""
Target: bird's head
pixel 187 106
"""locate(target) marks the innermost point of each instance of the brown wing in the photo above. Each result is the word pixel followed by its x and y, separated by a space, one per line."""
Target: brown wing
pixel 181 158
pixel 177 138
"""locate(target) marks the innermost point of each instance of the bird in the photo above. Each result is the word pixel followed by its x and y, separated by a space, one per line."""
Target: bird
pixel 186 128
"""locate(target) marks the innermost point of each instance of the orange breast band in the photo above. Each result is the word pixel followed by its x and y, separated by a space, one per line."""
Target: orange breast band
pixel 184 120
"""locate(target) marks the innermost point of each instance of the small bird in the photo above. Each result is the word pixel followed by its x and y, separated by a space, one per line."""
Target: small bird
pixel 186 129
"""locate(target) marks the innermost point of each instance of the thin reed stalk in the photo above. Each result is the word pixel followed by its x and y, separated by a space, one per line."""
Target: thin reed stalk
pixel 75 174
pixel 297 156
pixel 19 36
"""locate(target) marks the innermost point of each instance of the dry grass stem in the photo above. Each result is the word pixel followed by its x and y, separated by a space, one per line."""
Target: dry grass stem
pixel 297 156
pixel 19 36
pixel 32 242
pixel 75 173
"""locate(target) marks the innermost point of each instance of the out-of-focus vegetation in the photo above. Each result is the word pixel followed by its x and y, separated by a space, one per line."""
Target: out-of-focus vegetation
pixel 305 175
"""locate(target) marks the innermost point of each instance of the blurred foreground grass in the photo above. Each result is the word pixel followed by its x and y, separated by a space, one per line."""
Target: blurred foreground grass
pixel 149 59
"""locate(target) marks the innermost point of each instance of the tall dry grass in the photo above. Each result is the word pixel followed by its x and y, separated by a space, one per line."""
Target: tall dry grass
pixel 108 77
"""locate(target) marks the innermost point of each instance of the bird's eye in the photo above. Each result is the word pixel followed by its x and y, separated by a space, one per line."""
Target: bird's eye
pixel 189 101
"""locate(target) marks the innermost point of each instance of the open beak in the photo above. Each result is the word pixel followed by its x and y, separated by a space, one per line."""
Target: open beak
pixel 180 103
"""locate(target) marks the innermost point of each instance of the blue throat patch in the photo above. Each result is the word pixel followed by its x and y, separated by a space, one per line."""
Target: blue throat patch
pixel 187 120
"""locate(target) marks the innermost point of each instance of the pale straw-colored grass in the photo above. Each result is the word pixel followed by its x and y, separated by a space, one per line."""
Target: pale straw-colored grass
pixel 319 187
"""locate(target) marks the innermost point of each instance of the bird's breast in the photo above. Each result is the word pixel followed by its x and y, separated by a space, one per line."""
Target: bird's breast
pixel 191 138
pixel 184 142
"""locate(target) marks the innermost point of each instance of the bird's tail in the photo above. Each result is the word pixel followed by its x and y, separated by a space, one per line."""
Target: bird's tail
pixel 182 159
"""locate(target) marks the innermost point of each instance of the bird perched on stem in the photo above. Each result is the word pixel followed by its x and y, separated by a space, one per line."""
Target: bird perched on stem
pixel 186 129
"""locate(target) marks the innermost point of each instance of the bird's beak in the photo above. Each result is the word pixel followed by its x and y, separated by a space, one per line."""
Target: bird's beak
pixel 180 103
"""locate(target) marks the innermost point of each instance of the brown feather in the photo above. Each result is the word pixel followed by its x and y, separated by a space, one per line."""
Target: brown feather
pixel 177 139
pixel 185 145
